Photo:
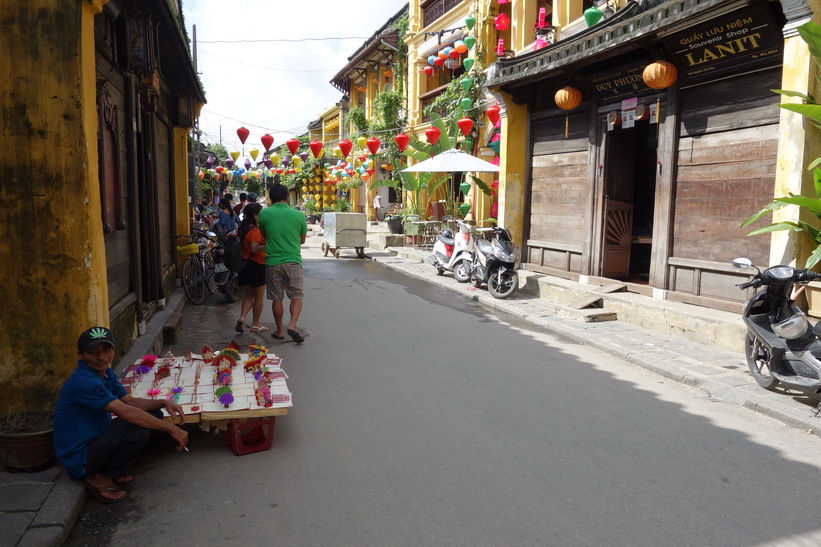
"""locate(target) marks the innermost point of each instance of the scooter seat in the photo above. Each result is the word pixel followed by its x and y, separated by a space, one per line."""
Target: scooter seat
pixel 484 246
pixel 446 240
pixel 816 330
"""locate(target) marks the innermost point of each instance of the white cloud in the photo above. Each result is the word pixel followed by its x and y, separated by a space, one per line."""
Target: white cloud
pixel 274 87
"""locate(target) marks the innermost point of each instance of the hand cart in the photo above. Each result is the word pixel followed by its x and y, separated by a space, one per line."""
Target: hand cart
pixel 344 230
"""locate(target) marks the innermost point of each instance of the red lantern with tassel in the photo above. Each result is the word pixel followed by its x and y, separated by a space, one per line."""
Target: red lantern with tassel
pixel 402 141
pixel 345 145
pixel 433 135
pixel 373 145
pixel 493 113
pixel 293 145
pixel 243 133
pixel 465 125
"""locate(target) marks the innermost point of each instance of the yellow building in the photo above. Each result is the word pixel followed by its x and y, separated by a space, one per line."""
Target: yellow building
pixel 95 178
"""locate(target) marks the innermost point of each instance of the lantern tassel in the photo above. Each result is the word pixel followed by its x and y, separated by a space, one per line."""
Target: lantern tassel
pixel 566 124
pixel 658 107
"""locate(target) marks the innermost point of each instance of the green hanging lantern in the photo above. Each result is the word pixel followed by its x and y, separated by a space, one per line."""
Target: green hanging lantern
pixel 467 83
pixel 469 22
pixel 470 41
pixel 468 63
pixel 495 146
pixel 464 209
pixel 592 15
pixel 467 145
pixel 466 103
pixel 465 188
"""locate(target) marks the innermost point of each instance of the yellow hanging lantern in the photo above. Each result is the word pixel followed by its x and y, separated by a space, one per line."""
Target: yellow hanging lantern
pixel 567 98
pixel 304 189
pixel 362 142
pixel 659 75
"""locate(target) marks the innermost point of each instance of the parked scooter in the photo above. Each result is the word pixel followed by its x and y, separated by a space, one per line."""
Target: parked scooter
pixel 226 281
pixel 495 262
pixel 454 254
pixel 782 346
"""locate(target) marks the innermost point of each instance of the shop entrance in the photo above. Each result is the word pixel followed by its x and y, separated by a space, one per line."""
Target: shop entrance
pixel 629 188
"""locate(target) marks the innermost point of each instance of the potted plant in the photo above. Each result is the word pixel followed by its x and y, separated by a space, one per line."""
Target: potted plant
pixel 394 223
pixel 26 440
pixel 311 209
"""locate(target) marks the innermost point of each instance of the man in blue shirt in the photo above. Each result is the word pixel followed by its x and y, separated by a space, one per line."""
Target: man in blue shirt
pixel 89 444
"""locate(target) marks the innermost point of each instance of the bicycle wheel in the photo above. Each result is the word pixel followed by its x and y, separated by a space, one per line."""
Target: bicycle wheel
pixel 209 267
pixel 192 280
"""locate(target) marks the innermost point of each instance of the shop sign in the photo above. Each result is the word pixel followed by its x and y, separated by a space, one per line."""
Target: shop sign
pixel 624 82
pixel 727 43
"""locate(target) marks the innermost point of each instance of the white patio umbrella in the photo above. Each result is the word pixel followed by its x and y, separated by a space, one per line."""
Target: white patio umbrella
pixel 451 161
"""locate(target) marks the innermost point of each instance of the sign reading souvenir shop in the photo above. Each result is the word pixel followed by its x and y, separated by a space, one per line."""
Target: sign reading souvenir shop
pixel 748 36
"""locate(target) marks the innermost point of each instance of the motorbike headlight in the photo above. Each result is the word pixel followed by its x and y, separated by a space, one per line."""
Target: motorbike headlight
pixel 781 272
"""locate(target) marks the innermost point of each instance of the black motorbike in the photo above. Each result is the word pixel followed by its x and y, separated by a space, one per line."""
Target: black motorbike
pixel 227 282
pixel 495 263
pixel 782 346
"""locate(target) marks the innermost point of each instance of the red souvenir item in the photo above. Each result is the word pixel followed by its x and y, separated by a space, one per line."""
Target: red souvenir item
pixel 402 141
pixel 345 145
pixel 433 135
pixel 465 125
pixel 493 113
pixel 293 145
pixel 242 133
pixel 316 148
pixel 373 145
pixel 267 141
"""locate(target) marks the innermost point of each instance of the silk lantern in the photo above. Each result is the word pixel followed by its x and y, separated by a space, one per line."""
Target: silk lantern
pixel 345 145
pixel 438 61
pixel 433 135
pixel 402 141
pixel 428 70
pixel 465 125
pixel 567 98
pixel 242 133
pixel 267 141
pixel 460 46
pixel 235 155
pixel 254 153
pixel 466 83
pixel 293 145
pixel 592 15
pixel 470 41
pixel 453 54
pixel 316 148
pixel 659 75
pixel 466 104
pixel 493 113
pixel 229 162
pixel 468 64
pixel 373 145
pixel 470 21
pixel 362 142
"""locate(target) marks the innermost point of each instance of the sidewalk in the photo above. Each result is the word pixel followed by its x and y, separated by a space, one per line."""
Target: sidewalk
pixel 39 509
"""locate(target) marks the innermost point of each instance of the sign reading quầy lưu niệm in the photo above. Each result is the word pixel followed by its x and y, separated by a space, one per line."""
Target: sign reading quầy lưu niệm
pixel 730 42
pixel 624 82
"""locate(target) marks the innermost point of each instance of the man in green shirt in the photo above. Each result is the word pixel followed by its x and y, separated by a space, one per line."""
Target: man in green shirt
pixel 285 230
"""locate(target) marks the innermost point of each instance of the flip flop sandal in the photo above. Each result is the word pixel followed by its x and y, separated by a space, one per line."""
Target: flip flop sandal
pixel 125 479
pixel 296 336
pixel 98 493
pixel 258 328
pixel 240 324
pixel 274 335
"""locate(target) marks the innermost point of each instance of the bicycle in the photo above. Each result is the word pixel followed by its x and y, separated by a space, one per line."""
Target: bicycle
pixel 198 269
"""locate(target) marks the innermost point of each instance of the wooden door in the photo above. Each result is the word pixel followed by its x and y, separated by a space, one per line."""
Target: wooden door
pixel 618 229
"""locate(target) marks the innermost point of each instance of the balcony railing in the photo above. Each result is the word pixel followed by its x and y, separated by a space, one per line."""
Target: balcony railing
pixel 434 9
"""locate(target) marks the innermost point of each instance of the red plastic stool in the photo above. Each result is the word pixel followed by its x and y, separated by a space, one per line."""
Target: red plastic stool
pixel 249 436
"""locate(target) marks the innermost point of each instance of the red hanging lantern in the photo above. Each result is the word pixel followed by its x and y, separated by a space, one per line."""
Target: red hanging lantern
pixel 220 169
pixel 402 141
pixel 465 125
pixel 439 61
pixel 267 141
pixel 433 135
pixel 293 145
pixel 316 148
pixel 242 133
pixel 428 70
pixel 454 54
pixel 493 113
pixel 374 144
pixel 345 146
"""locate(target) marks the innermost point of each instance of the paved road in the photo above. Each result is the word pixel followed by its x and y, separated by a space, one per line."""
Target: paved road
pixel 422 419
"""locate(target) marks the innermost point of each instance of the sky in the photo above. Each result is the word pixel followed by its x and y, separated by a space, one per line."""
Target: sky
pixel 254 78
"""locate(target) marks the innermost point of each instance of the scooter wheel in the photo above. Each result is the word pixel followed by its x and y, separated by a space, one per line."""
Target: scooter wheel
pixel 758 359
pixel 502 282
pixel 461 272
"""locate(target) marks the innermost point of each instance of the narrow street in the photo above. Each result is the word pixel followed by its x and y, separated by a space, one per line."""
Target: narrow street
pixel 421 418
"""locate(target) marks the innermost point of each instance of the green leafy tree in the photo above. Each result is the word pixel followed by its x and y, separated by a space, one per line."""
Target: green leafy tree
pixel 811 110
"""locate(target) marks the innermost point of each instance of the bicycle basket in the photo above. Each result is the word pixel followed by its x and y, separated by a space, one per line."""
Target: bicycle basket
pixel 190 249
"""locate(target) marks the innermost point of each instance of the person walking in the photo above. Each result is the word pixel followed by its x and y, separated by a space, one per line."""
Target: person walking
pixel 252 276
pixel 227 221
pixel 285 230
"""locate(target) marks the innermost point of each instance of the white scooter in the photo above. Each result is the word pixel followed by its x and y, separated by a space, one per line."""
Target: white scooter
pixel 454 254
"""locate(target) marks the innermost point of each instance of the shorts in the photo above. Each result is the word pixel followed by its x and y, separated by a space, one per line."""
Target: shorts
pixel 252 274
pixel 284 277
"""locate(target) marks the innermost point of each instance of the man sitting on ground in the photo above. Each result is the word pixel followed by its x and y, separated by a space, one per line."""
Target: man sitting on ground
pixel 88 442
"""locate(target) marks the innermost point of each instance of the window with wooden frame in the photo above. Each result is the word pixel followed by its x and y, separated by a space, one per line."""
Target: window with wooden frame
pixel 108 151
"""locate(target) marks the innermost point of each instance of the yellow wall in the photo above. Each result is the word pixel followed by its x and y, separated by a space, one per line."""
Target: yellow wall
pixel 512 178
pixel 53 282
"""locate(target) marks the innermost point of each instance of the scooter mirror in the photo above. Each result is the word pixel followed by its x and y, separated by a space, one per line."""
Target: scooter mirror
pixel 741 263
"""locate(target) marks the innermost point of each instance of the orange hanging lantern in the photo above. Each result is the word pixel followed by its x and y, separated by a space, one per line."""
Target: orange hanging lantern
pixel 567 98
pixel 659 75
